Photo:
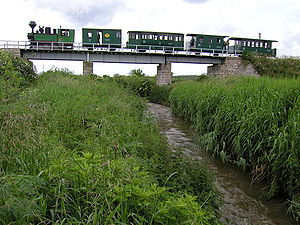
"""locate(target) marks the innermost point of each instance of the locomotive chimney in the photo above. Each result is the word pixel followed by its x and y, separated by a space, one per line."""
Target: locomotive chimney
pixel 259 35
pixel 32 24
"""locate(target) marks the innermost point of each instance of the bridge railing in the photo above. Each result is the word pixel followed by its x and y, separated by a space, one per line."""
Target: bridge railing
pixel 139 49
pixel 13 44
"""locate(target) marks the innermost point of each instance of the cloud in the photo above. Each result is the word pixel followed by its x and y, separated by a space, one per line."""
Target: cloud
pixel 196 1
pixel 83 12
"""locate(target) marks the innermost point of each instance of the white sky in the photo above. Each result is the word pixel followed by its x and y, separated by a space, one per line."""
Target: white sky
pixel 275 19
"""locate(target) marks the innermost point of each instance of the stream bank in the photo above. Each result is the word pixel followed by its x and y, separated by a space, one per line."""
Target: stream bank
pixel 242 200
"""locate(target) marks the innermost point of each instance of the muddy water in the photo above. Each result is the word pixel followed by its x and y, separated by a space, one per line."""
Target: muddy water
pixel 242 202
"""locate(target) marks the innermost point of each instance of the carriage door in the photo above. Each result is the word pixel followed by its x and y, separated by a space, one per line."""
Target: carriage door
pixel 99 37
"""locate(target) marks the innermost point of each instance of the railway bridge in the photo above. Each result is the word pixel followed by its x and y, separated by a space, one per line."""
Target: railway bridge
pixel 222 63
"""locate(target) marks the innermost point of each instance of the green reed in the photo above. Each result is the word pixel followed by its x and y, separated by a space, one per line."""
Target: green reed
pixel 252 122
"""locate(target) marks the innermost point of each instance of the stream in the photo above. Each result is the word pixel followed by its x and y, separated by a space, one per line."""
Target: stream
pixel 242 200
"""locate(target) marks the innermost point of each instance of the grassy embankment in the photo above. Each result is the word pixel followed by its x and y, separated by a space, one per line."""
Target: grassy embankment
pixel 77 151
pixel 254 123
pixel 282 67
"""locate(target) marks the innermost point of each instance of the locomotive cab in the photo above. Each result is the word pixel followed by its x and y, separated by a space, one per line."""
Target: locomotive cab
pixel 44 38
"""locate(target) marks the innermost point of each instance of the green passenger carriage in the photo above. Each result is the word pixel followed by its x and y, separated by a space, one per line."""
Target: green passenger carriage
pixel 252 45
pixel 95 37
pixel 205 43
pixel 145 40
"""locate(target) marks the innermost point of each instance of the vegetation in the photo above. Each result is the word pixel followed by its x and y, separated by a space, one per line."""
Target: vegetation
pixel 254 123
pixel 15 74
pixel 284 67
pixel 75 150
pixel 146 87
pixel 137 73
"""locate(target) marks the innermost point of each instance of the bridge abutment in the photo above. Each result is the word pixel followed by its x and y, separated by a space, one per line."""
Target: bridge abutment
pixel 14 51
pixel 232 66
pixel 164 74
pixel 87 68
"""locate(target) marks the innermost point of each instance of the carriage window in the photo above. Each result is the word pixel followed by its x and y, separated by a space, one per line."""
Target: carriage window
pixel 166 37
pixel 170 38
pixel 269 45
pixel 210 40
pixel 155 37
pixel 65 33
pixel 90 34
pixel 180 38
pixel 136 36
pixel 219 40
pixel 201 40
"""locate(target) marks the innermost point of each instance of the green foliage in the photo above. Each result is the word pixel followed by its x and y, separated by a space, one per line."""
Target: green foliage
pixel 139 85
pixel 21 199
pixel 15 74
pixel 137 73
pixel 78 151
pixel 253 123
pixel 283 67
pixel 146 87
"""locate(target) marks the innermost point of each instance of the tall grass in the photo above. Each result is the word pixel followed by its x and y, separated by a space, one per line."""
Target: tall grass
pixel 251 122
pixel 77 151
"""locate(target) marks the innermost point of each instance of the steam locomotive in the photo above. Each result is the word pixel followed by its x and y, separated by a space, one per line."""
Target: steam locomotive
pixel 148 40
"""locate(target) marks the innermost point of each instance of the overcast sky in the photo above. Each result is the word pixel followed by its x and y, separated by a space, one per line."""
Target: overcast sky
pixel 275 19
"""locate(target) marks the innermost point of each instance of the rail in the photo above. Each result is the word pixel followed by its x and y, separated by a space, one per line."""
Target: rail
pixel 140 49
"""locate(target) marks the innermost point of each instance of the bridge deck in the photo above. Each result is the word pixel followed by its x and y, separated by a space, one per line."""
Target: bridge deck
pixel 57 51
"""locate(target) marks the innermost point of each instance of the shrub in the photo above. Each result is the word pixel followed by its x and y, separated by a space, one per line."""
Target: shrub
pixel 15 74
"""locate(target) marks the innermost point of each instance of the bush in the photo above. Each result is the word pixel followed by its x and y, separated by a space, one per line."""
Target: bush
pixel 15 74
pixel 145 87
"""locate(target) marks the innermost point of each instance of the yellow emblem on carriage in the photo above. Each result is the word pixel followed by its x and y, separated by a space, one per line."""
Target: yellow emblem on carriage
pixel 107 35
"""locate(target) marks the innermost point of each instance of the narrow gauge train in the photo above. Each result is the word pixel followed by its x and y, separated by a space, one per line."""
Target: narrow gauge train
pixel 148 40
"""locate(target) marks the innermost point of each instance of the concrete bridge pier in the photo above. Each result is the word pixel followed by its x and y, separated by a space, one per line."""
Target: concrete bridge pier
pixel 164 74
pixel 87 68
